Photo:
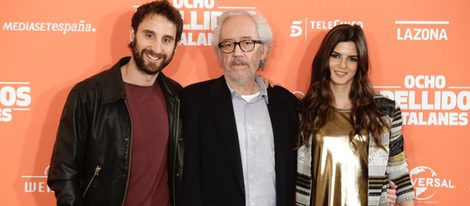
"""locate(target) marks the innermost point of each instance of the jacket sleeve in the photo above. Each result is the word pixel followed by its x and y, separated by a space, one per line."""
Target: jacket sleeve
pixel 68 153
pixel 191 186
pixel 397 167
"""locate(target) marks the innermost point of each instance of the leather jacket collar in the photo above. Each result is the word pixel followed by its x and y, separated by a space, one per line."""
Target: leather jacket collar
pixel 113 87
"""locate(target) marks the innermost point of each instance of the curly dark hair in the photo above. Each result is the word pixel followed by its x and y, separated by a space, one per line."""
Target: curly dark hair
pixel 316 106
pixel 163 8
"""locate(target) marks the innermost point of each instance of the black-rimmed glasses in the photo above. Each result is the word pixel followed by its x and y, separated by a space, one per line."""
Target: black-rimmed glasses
pixel 247 45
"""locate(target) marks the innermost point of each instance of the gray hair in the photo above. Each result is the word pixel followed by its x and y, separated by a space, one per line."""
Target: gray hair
pixel 263 29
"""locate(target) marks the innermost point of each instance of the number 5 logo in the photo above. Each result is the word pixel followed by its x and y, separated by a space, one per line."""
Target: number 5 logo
pixel 296 29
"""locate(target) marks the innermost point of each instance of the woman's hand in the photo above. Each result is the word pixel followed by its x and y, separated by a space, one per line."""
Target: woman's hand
pixel 392 193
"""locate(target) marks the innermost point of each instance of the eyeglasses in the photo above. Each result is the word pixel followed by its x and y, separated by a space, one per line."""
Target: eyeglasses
pixel 247 45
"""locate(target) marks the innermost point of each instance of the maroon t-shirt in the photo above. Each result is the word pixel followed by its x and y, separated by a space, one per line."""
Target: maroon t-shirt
pixel 148 181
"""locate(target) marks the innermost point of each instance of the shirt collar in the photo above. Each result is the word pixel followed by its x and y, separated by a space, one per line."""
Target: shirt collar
pixel 263 92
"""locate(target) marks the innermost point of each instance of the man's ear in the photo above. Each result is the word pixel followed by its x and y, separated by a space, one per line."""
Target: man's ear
pixel 131 35
pixel 176 45
pixel 266 49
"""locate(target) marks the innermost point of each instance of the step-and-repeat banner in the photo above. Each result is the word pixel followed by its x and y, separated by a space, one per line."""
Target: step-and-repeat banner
pixel 419 53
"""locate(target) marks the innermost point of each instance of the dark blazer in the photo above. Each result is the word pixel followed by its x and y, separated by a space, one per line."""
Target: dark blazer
pixel 212 173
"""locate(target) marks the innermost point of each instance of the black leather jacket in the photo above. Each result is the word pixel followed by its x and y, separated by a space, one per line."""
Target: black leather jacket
pixel 91 158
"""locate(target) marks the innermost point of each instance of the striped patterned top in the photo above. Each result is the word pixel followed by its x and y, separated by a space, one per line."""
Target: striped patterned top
pixel 382 166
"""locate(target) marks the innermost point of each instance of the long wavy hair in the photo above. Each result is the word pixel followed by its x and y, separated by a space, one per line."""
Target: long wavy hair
pixel 316 106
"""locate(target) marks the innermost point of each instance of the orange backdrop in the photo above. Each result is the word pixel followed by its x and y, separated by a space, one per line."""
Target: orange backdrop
pixel 418 52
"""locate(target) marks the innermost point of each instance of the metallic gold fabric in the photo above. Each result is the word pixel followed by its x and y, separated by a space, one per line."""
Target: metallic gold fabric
pixel 339 165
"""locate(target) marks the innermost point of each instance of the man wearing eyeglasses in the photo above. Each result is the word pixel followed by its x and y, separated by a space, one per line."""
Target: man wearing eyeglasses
pixel 239 135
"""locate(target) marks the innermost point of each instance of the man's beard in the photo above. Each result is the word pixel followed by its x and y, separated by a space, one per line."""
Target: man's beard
pixel 149 68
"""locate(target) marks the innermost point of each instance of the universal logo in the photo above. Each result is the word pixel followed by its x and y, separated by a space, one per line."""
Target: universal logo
pixel 422 30
pixel 14 97
pixel 427 183
pixel 36 183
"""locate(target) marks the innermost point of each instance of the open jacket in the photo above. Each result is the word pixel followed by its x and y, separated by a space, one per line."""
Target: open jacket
pixel 384 164
pixel 91 158
pixel 213 173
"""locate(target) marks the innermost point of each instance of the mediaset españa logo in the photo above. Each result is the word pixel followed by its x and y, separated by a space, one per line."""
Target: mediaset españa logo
pixel 60 27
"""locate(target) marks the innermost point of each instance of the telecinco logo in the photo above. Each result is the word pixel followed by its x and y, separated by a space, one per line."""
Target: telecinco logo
pixel 427 183
pixel 14 96
pixel 36 183
pixel 421 30
pixel 61 27
pixel 302 27
pixel 200 18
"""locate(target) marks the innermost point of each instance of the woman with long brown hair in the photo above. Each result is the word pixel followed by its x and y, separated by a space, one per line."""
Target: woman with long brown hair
pixel 350 141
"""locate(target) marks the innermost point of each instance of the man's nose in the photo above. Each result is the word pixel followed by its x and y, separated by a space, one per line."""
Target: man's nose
pixel 157 46
pixel 238 50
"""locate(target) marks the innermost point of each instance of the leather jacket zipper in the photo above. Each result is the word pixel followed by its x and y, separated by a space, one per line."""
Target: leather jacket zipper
pixel 97 172
pixel 130 155
pixel 176 132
